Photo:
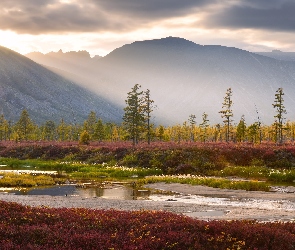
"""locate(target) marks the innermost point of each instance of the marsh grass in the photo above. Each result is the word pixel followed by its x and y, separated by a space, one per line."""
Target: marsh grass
pixel 84 170
pixel 259 173
pixel 25 180
pixel 105 170
pixel 208 181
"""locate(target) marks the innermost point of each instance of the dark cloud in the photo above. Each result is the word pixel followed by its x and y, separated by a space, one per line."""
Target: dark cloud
pixel 55 16
pixel 154 8
pixel 265 14
pixel 45 16
pixel 49 16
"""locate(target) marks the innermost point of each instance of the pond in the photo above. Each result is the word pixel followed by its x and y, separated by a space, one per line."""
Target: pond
pixel 120 192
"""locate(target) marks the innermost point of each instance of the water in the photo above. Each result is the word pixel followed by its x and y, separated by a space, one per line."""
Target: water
pixel 115 192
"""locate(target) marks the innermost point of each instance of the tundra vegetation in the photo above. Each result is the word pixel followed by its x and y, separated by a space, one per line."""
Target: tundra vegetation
pixel 24 227
pixel 138 148
pixel 194 154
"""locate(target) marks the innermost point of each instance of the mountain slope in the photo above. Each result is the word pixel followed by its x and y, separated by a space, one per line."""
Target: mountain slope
pixel 25 84
pixel 186 78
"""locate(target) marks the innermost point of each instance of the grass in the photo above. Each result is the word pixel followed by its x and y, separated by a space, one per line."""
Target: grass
pixel 25 180
pixel 259 173
pixel 85 170
pixel 208 181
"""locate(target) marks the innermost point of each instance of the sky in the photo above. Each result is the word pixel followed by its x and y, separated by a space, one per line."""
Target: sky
pixel 100 26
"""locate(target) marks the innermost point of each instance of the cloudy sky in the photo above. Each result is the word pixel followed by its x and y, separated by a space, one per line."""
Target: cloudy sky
pixel 100 26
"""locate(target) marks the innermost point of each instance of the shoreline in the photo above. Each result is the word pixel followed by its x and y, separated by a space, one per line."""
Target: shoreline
pixel 188 200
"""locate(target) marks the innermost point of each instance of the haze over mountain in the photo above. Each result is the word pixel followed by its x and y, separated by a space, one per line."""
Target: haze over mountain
pixel 280 55
pixel 186 78
pixel 24 84
pixel 69 61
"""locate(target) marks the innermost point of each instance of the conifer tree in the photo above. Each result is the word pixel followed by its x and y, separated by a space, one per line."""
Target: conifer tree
pixel 160 132
pixel 185 131
pixel 99 131
pixel 4 128
pixel 192 122
pixel 84 138
pixel 108 130
pixel 227 112
pixel 279 117
pixel 253 132
pixel 49 130
pixel 115 134
pixel 24 126
pixel 259 125
pixel 178 133
pixel 62 130
pixel 90 123
pixel 134 116
pixel 217 133
pixel 241 130
pixel 204 125
pixel 148 105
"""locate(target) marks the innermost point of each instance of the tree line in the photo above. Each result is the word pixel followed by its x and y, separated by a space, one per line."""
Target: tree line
pixel 137 125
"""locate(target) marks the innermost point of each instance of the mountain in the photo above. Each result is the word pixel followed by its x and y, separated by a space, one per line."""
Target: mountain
pixel 279 55
pixel 71 61
pixel 24 84
pixel 187 78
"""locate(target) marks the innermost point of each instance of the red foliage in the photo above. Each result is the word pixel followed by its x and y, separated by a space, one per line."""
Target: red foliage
pixel 165 155
pixel 48 228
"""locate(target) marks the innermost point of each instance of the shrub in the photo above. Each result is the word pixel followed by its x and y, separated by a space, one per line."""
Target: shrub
pixel 185 169
pixel 84 138
pixel 24 227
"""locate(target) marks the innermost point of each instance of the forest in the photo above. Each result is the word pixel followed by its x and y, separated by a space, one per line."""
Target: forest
pixel 138 126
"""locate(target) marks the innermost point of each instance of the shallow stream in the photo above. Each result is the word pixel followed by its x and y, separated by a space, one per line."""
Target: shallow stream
pixel 123 192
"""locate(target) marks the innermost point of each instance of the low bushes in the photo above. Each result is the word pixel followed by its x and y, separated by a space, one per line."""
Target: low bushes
pixel 170 158
pixel 47 228
pixel 167 156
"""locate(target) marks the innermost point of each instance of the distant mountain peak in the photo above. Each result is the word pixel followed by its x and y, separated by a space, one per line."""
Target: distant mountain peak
pixel 276 51
pixel 167 41
pixel 79 54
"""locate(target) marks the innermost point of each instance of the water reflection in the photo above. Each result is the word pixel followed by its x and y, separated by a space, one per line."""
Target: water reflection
pixel 116 192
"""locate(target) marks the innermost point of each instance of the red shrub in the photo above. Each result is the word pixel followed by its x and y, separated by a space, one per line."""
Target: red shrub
pixel 47 228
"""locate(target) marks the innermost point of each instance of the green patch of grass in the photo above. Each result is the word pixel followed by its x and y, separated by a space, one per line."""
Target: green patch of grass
pixel 210 182
pixel 105 170
pixel 259 173
pixel 25 180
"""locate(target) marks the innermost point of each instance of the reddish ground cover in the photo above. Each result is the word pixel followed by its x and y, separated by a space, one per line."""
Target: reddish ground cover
pixel 24 227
